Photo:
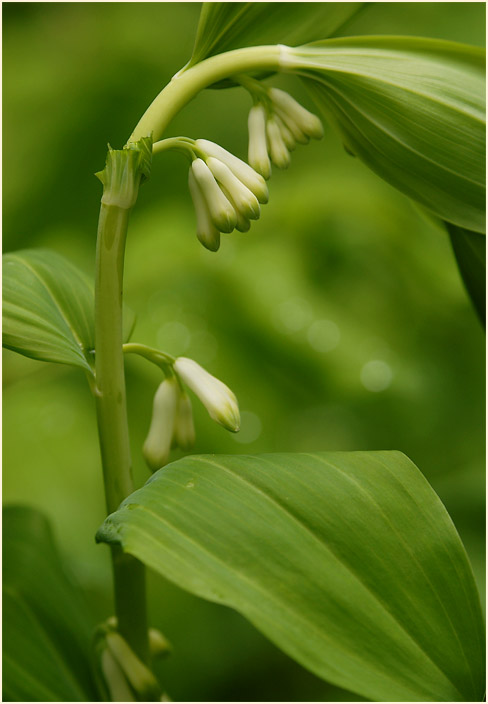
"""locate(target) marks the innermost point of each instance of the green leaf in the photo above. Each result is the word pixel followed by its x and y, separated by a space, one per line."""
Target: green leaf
pixel 347 561
pixel 47 628
pixel 470 252
pixel 224 25
pixel 413 110
pixel 48 309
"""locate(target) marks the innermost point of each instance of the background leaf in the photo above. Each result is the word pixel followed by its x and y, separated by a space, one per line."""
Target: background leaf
pixel 48 309
pixel 347 561
pixel 224 26
pixel 413 110
pixel 47 627
pixel 470 252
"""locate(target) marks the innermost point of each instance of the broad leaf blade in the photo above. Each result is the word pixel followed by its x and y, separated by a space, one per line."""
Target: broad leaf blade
pixel 47 628
pixel 413 110
pixel 47 308
pixel 470 252
pixel 229 25
pixel 347 561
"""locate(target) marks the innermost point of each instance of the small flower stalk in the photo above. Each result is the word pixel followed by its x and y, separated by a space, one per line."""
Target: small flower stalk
pixel 276 123
pixel 226 192
pixel 217 398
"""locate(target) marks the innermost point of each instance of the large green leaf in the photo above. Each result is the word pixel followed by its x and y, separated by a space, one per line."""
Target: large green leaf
pixel 229 25
pixel 413 110
pixel 47 627
pixel 470 252
pixel 48 309
pixel 347 561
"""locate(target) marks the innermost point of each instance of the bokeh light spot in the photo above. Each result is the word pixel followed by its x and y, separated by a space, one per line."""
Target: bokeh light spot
pixel 376 375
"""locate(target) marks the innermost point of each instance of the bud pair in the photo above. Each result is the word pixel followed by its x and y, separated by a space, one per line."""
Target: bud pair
pixel 171 424
pixel 275 125
pixel 226 193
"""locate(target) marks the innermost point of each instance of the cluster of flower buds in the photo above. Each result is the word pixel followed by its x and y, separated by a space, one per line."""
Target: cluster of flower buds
pixel 172 418
pixel 226 192
pixel 276 124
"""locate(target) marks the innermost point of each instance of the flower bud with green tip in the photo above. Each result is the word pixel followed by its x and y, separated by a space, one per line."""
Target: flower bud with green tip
pixel 307 122
pixel 217 398
pixel 184 431
pixel 157 445
pixel 277 147
pixel 246 175
pixel 287 136
pixel 207 233
pixel 258 147
pixel 242 198
pixel 221 211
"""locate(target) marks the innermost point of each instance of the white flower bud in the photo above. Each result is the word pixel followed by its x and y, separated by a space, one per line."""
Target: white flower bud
pixel 241 197
pixel 277 147
pixel 207 233
pixel 306 121
pixel 246 175
pixel 184 433
pixel 295 130
pixel 286 134
pixel 157 445
pixel 242 224
pixel 258 148
pixel 221 211
pixel 217 398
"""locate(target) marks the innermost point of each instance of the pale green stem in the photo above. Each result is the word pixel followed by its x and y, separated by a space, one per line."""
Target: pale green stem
pixel 189 82
pixel 161 359
pixel 129 578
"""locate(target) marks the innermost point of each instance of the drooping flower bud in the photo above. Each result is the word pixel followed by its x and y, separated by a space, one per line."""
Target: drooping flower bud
pixel 241 197
pixel 157 445
pixel 277 147
pixel 207 233
pixel 221 211
pixel 286 134
pixel 246 175
pixel 184 432
pixel 258 148
pixel 290 123
pixel 217 398
pixel 306 121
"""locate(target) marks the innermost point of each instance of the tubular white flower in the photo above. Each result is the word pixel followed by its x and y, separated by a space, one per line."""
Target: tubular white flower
pixel 286 134
pixel 246 175
pixel 277 147
pixel 242 198
pixel 221 211
pixel 258 148
pixel 157 445
pixel 242 224
pixel 207 233
pixel 306 121
pixel 289 122
pixel 217 398
pixel 184 432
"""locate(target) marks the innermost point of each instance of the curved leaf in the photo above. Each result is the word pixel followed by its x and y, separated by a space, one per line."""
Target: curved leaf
pixel 413 110
pixel 48 309
pixel 46 625
pixel 347 561
pixel 229 25
pixel 470 252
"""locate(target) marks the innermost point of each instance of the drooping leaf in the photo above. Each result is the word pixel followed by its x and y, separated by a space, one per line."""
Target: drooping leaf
pixel 413 110
pixel 347 561
pixel 47 627
pixel 470 252
pixel 229 25
pixel 48 309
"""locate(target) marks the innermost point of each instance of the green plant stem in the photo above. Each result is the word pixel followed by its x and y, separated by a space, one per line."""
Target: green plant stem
pixel 128 573
pixel 189 82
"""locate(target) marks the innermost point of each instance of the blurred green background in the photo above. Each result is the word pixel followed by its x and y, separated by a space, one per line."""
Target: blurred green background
pixel 339 320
